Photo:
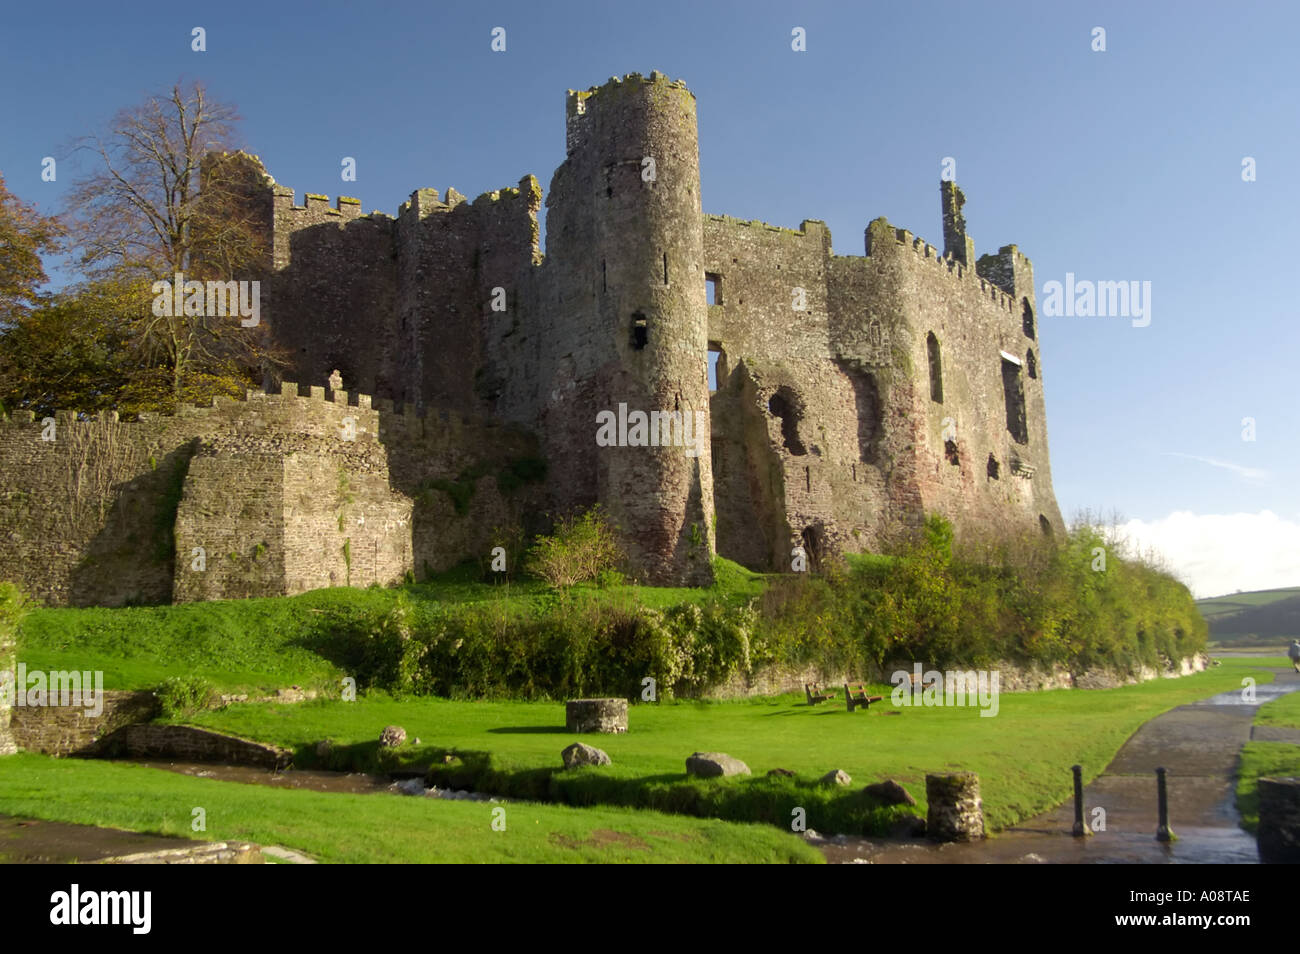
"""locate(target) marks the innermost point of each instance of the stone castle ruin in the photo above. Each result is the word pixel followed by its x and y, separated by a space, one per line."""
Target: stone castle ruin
pixel 853 394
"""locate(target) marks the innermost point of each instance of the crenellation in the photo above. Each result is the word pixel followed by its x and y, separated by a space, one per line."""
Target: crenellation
pixel 462 348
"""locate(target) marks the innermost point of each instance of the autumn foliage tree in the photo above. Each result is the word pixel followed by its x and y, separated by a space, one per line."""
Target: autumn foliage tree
pixel 152 208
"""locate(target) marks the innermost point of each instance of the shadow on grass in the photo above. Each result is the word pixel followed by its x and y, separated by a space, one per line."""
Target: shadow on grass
pixel 531 730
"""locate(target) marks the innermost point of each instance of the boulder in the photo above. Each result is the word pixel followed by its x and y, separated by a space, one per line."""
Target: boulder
pixel 780 773
pixel 323 748
pixel 713 764
pixel 837 777
pixel 579 753
pixel 392 736
pixel 889 792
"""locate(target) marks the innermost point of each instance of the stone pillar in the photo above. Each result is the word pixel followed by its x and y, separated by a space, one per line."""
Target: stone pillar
pixel 956 812
pixel 1278 834
pixel 596 715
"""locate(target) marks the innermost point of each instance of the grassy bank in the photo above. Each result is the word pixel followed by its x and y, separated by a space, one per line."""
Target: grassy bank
pixel 373 828
pixel 1039 602
pixel 1022 754
pixel 1268 758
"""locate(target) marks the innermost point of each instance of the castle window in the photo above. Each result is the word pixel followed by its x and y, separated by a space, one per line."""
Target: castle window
pixel 1027 318
pixel 783 404
pixel 640 333
pixel 665 268
pixel 713 285
pixel 717 366
pixel 1013 391
pixel 994 468
pixel 950 452
pixel 936 368
pixel 604 285
pixel 1045 525
pixel 1031 363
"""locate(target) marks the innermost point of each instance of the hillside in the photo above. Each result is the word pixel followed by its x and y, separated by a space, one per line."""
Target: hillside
pixel 1263 616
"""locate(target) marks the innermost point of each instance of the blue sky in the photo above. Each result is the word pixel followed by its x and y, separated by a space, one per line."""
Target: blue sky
pixel 1116 165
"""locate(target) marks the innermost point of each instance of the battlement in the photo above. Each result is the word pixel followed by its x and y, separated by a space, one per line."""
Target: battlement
pixel 345 206
pixel 580 104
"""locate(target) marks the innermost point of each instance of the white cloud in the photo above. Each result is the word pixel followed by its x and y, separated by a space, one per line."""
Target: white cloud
pixel 1216 554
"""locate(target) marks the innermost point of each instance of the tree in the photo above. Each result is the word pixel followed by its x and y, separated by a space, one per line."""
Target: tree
pixel 24 235
pixel 72 351
pixel 155 208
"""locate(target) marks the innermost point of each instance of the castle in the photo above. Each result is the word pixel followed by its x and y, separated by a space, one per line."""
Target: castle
pixel 851 394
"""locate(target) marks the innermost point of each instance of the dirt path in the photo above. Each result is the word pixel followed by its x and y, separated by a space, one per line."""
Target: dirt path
pixel 1198 744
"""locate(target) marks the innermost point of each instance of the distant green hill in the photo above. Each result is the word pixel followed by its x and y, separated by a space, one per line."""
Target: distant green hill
pixel 1261 616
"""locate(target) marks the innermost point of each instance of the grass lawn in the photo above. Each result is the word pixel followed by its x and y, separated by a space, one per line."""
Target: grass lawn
pixel 1283 712
pixel 1262 758
pixel 265 644
pixel 1023 755
pixel 373 828
pixel 1268 758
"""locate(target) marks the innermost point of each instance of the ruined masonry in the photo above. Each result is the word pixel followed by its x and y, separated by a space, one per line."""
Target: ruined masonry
pixel 854 394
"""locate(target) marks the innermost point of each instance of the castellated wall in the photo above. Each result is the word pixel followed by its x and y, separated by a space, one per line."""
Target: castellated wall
pixel 856 393
pixel 278 500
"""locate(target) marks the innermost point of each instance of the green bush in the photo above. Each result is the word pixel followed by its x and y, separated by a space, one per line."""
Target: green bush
pixel 580 549
pixel 181 695
pixel 1026 601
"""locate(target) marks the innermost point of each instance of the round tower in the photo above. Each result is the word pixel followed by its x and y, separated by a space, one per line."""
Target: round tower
pixel 632 233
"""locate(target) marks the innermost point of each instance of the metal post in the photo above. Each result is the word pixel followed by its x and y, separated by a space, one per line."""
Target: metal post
pixel 1162 795
pixel 1080 829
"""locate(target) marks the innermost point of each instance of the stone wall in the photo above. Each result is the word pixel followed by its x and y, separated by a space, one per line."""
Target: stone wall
pixel 270 496
pixel 7 743
pixel 69 730
pixel 188 744
pixel 856 393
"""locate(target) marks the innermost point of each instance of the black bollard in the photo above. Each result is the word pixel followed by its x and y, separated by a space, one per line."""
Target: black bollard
pixel 1162 796
pixel 1080 829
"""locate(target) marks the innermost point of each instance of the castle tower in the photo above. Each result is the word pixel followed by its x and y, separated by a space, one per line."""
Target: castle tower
pixel 625 236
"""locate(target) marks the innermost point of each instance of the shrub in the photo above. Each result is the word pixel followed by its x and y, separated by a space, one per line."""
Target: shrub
pixel 182 695
pixel 579 549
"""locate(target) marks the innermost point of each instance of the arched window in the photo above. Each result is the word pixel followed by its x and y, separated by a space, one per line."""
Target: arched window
pixel 1027 317
pixel 936 368
pixel 1032 363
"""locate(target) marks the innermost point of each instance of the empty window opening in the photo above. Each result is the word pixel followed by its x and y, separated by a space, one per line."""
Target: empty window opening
pixel 717 366
pixel 1027 317
pixel 784 405
pixel 950 452
pixel 1045 525
pixel 994 468
pixel 936 368
pixel 812 546
pixel 1013 391
pixel 807 479
pixel 604 283
pixel 665 268
pixel 640 333
pixel 713 286
pixel 1032 364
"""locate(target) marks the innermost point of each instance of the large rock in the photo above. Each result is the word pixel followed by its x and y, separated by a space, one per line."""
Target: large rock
pixel 391 737
pixel 837 777
pixel 713 764
pixel 596 715
pixel 579 753
pixel 889 792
